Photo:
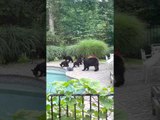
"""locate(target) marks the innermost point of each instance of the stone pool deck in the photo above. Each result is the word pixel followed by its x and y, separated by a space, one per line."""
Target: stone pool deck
pixel 103 75
pixel 23 69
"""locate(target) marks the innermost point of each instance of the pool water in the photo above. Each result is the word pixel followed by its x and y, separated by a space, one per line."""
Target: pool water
pixel 20 93
pixel 11 103
pixel 53 75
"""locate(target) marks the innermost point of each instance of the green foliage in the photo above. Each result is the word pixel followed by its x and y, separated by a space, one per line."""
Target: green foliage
pixel 29 115
pixel 80 86
pixel 92 47
pixel 23 58
pixel 76 20
pixel 16 41
pixel 71 50
pixel 23 13
pixel 146 10
pixel 129 34
pixel 53 52
pixel 110 50
pixel 85 47
pixel 53 39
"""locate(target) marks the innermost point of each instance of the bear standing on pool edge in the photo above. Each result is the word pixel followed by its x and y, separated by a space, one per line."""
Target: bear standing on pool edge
pixel 39 68
pixel 119 70
pixel 64 64
pixel 91 61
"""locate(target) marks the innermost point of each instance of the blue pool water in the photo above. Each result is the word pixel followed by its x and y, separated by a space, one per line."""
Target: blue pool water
pixel 53 75
pixel 20 93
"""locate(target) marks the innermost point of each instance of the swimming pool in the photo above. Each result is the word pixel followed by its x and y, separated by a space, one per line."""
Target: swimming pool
pixel 55 74
pixel 20 93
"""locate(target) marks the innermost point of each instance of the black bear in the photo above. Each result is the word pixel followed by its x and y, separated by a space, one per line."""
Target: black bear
pixel 77 62
pixel 91 61
pixel 68 58
pixel 64 63
pixel 39 68
pixel 119 70
pixel 79 59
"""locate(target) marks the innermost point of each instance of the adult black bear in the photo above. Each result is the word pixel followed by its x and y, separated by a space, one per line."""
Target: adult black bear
pixel 39 68
pixel 68 58
pixel 64 63
pixel 119 70
pixel 91 61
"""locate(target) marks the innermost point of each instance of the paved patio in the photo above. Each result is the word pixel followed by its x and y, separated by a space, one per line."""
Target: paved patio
pixel 134 97
pixel 19 68
pixel 103 75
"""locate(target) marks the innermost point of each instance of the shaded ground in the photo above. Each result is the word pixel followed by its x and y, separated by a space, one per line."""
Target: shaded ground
pixel 103 75
pixel 19 68
pixel 134 97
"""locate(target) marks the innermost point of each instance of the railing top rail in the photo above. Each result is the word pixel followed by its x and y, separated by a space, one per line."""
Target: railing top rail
pixel 80 95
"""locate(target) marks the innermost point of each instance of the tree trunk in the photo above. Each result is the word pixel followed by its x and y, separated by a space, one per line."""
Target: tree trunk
pixel 51 21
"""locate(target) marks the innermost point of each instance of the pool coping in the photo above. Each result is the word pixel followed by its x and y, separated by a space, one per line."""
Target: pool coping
pixel 64 71
pixel 16 75
pixel 31 82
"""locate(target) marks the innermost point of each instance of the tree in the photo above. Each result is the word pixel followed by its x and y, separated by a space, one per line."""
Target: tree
pixel 78 19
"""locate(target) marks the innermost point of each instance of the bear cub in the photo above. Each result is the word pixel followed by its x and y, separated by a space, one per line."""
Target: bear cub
pixel 68 58
pixel 64 63
pixel 77 62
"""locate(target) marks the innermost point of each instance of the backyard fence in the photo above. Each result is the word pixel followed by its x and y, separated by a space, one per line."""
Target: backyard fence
pixel 83 101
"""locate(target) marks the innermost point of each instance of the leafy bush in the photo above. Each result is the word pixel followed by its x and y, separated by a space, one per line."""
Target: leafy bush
pixel 129 34
pixel 87 86
pixel 92 47
pixel 53 52
pixel 110 50
pixel 16 41
pixel 23 58
pixel 71 50
pixel 53 39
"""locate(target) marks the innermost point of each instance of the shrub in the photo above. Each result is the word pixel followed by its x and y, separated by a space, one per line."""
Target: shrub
pixel 129 34
pixel 53 39
pixel 110 50
pixel 54 52
pixel 92 47
pixel 16 41
pixel 23 58
pixel 71 50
